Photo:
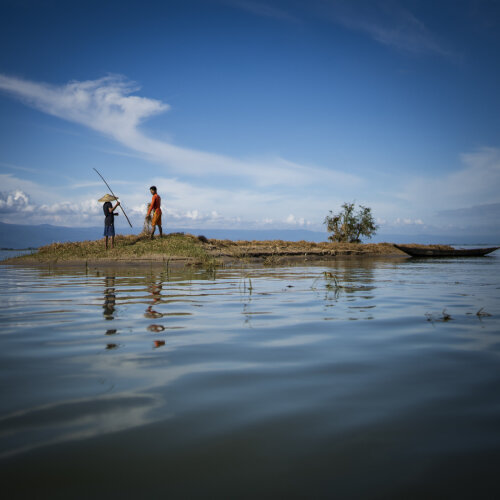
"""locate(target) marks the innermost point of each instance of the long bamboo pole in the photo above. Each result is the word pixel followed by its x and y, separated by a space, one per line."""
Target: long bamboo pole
pixel 113 195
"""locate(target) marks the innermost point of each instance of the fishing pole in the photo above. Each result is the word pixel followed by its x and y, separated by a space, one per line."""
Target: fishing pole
pixel 113 195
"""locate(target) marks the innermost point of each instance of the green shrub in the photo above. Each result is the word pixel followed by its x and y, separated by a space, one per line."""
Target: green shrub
pixel 348 227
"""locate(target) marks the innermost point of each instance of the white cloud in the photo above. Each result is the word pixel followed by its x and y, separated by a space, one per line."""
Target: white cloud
pixel 246 189
pixel 16 206
pixel 194 186
pixel 178 199
pixel 104 104
pixel 107 106
pixel 476 182
pixel 297 221
pixel 465 200
pixel 15 201
pixel 221 206
pixel 407 222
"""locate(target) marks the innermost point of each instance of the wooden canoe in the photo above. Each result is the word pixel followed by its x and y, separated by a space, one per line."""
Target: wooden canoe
pixel 439 252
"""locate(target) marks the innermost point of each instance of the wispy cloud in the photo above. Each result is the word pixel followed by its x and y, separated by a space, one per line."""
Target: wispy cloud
pixel 387 23
pixel 194 184
pixel 263 9
pixel 485 213
pixel 244 190
pixel 11 183
pixel 108 106
pixel 18 167
pixel 475 182
pixel 100 104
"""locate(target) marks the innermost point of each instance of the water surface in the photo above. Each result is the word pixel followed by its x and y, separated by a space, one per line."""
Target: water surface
pixel 365 378
pixel 8 254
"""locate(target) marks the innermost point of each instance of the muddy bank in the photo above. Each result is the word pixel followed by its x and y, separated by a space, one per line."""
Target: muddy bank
pixel 273 250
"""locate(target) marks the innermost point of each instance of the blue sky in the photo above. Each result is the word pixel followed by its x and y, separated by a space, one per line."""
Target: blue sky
pixel 252 114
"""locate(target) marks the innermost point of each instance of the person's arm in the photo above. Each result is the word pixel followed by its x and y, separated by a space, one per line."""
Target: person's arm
pixel 112 209
pixel 151 206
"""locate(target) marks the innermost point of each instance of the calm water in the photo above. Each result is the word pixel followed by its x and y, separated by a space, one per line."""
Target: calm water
pixel 269 382
pixel 7 254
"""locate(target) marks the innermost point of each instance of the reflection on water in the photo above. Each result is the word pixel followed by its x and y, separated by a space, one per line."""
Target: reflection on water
pixel 321 381
pixel 109 298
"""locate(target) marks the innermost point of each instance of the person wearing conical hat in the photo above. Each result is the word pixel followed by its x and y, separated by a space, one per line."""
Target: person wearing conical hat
pixel 109 217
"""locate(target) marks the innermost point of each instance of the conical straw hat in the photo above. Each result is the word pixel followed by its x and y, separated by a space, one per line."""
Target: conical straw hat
pixel 107 197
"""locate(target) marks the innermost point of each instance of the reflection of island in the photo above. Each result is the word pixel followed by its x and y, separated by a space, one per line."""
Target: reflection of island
pixel 109 298
pixel 352 283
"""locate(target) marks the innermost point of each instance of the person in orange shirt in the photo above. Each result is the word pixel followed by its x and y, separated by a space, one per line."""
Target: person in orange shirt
pixel 155 207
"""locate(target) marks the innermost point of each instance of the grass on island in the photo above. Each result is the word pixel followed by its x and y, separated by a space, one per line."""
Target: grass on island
pixel 126 248
pixel 197 250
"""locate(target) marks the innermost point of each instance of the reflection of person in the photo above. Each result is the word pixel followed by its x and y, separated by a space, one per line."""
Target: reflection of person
pixel 155 207
pixel 155 290
pixel 152 314
pixel 156 328
pixel 109 299
pixel 109 218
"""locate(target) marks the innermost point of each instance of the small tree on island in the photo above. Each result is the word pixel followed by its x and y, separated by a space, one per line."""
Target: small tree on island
pixel 348 226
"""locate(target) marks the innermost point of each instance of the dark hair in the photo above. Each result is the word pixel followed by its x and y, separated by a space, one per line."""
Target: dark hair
pixel 153 188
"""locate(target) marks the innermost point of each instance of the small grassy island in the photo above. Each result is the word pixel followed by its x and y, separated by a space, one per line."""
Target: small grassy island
pixel 179 249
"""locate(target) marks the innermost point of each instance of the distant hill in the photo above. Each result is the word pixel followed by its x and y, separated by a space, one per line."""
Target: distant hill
pixel 436 239
pixel 19 236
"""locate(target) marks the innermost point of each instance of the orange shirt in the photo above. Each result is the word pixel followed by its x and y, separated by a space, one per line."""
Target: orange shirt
pixel 155 204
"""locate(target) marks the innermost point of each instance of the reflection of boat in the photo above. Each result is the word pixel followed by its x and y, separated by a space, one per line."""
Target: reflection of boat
pixel 422 251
